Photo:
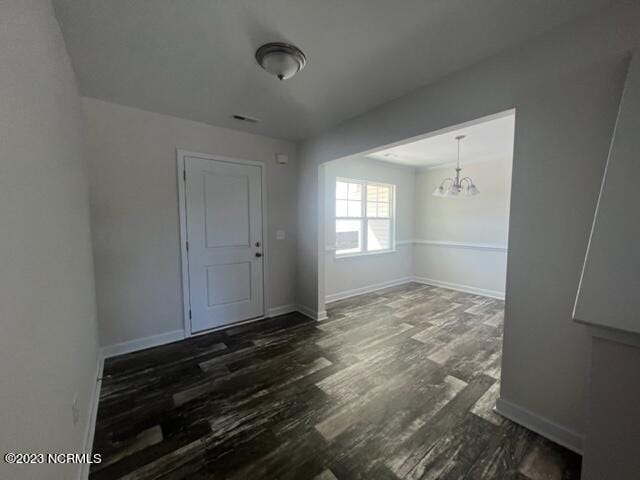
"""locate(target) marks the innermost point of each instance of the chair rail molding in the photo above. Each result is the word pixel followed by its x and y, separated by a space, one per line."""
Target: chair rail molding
pixel 443 243
pixel 466 245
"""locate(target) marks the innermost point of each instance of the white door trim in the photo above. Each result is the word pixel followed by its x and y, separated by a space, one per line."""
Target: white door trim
pixel 182 204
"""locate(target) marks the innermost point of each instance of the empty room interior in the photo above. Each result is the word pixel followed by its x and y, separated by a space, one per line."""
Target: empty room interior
pixel 319 240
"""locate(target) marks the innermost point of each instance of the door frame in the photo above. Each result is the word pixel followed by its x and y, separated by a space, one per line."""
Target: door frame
pixel 184 254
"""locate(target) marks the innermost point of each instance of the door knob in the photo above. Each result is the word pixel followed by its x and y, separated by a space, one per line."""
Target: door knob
pixel 258 254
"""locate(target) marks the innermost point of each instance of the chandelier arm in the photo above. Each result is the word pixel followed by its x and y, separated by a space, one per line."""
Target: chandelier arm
pixel 447 180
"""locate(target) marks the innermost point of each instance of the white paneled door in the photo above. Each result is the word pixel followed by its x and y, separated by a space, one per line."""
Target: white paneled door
pixel 224 234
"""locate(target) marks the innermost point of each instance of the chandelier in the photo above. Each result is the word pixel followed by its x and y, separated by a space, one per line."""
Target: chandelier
pixel 457 187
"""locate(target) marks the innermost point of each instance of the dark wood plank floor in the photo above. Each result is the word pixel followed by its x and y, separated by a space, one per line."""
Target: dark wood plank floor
pixel 396 384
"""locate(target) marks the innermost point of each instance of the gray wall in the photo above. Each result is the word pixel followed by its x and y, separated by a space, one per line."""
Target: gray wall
pixel 483 219
pixel 565 87
pixel 344 275
pixel 473 232
pixel 610 282
pixel 608 299
pixel 134 207
pixel 613 423
pixel 48 335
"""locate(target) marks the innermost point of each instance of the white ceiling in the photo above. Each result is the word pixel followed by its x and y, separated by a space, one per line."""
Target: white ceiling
pixel 194 58
pixel 485 140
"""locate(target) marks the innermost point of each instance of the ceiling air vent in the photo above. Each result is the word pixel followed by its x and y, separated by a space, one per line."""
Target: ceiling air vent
pixel 244 118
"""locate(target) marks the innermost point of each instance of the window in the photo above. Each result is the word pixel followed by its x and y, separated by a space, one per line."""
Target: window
pixel 364 217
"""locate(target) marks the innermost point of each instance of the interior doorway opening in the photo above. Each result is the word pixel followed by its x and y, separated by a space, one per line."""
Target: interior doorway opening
pixel 432 209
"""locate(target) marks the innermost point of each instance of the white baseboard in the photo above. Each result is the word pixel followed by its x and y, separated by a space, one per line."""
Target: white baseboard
pixel 401 281
pixel 542 426
pixel 170 337
pixel 307 311
pixel 142 343
pixel 313 314
pixel 83 472
pixel 281 310
pixel 367 289
pixel 462 288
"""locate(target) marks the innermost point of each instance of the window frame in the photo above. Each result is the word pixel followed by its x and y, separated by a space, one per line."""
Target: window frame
pixel 364 218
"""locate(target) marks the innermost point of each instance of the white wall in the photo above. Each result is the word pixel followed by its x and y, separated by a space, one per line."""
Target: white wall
pixel 566 86
pixel 608 300
pixel 461 242
pixel 610 281
pixel 134 206
pixel 48 334
pixel 613 423
pixel 352 275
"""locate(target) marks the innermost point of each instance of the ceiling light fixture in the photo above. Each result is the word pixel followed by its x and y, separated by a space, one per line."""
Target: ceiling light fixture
pixel 281 59
pixel 458 187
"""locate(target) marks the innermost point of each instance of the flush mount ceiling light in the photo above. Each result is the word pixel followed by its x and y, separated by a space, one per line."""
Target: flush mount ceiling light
pixel 458 187
pixel 281 59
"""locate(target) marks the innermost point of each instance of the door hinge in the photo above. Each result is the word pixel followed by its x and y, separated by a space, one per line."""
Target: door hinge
pixel 187 245
pixel 189 314
pixel 184 175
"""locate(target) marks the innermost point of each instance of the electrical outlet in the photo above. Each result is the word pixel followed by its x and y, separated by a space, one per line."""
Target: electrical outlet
pixel 75 411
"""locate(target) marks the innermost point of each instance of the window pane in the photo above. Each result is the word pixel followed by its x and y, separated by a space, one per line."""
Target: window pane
pixel 342 190
pixel 384 194
pixel 378 235
pixel 372 193
pixel 371 209
pixel 355 209
pixel 348 236
pixel 341 208
pixel 355 191
pixel 383 209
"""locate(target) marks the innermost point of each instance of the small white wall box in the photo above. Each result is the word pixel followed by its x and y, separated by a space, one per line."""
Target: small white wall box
pixel 280 235
pixel 282 158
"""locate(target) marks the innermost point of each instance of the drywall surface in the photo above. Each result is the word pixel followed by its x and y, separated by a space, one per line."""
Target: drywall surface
pixel 134 208
pixel 610 283
pixel 482 219
pixel 613 423
pixel 463 241
pixel 48 332
pixel 565 87
pixel 352 274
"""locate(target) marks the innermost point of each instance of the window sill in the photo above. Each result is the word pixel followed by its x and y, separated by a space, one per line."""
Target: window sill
pixel 363 254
